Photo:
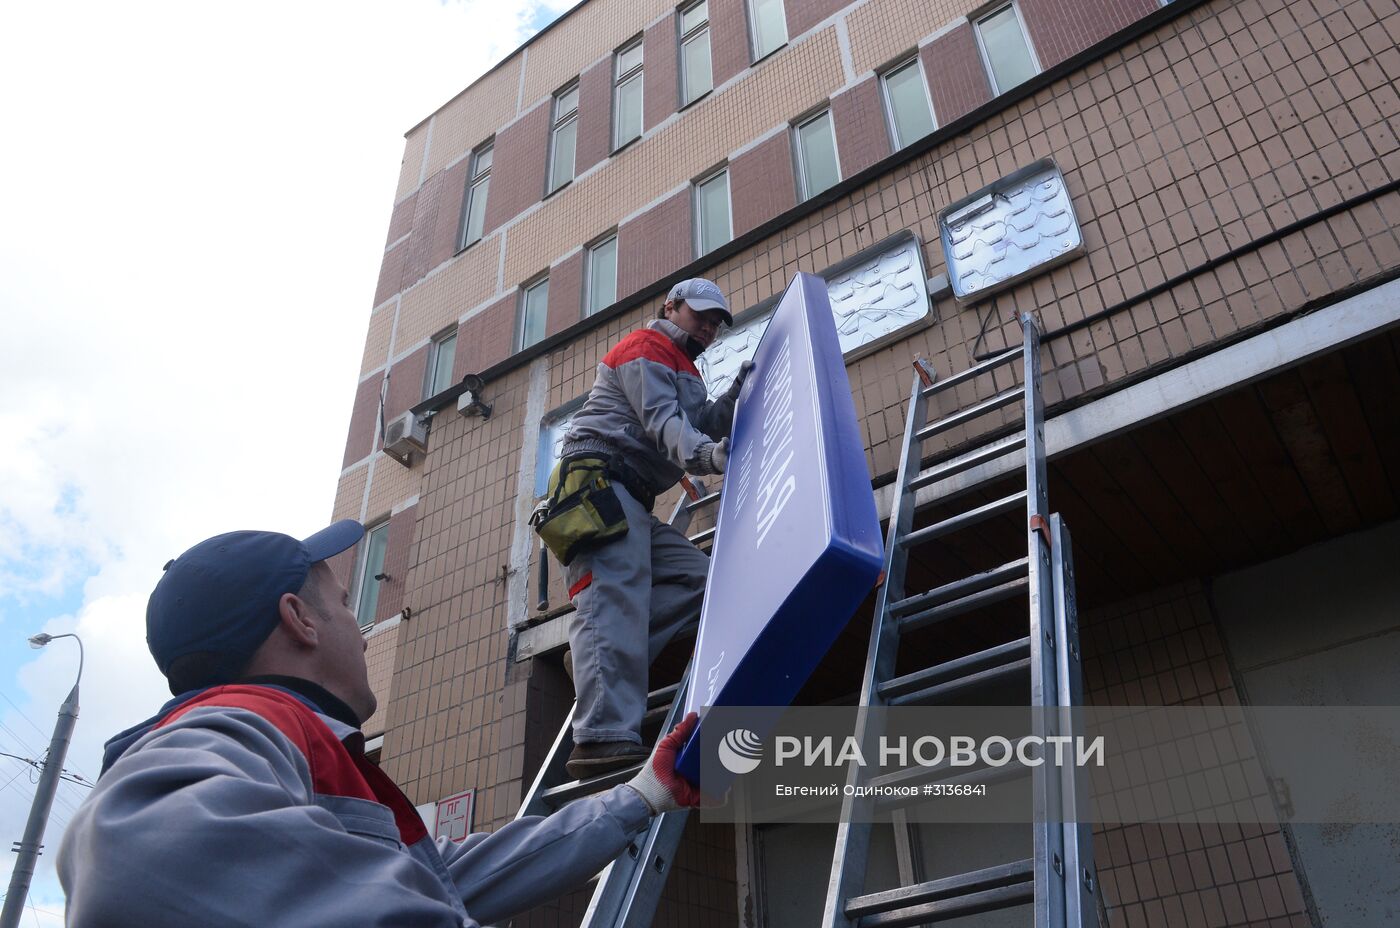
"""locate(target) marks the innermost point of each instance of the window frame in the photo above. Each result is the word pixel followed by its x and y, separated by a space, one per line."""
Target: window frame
pixel 557 123
pixel 522 313
pixel 620 78
pixel 685 39
pixel 362 572
pixel 755 55
pixel 700 213
pixel 476 178
pixel 916 61
pixel 435 361
pixel 987 13
pixel 801 157
pixel 588 253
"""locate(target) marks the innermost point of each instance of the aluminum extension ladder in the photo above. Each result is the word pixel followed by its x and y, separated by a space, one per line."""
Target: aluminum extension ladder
pixel 627 892
pixel 1059 878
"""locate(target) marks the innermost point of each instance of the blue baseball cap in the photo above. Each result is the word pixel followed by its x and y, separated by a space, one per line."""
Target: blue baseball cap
pixel 222 595
pixel 702 294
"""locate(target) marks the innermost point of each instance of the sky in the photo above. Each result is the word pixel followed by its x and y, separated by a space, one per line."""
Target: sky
pixel 193 205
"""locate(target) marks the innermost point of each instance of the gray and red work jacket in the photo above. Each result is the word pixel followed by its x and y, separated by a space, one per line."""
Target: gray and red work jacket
pixel 249 805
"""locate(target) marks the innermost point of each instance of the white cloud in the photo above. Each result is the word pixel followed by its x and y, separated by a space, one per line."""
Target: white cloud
pixel 195 202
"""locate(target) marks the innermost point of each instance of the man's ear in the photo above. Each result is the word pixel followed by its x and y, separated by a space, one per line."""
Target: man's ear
pixel 296 620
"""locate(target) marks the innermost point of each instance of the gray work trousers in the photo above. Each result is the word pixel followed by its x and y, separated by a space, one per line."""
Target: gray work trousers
pixel 646 588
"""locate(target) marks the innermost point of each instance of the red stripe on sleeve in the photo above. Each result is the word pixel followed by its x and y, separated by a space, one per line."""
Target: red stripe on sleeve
pixel 650 345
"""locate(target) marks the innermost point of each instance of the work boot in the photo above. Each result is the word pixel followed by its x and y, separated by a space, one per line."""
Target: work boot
pixel 596 758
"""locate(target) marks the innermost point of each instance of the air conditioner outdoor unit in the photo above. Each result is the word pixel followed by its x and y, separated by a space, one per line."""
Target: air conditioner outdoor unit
pixel 405 435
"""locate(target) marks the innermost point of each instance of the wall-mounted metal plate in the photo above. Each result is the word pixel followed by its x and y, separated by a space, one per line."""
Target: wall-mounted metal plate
pixel 1015 228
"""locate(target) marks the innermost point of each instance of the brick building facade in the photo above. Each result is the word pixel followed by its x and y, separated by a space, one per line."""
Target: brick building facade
pixel 1233 170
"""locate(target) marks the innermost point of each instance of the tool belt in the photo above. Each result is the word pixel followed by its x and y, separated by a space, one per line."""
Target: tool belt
pixel 582 510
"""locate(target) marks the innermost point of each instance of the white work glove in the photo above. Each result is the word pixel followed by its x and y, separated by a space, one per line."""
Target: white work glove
pixel 719 456
pixel 658 783
pixel 733 392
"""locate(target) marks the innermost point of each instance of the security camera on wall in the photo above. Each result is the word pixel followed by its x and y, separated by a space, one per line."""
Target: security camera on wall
pixel 470 403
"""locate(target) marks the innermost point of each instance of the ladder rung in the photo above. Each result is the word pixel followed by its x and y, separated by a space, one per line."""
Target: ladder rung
pixel 1009 355
pixel 705 500
pixel 903 689
pixel 996 594
pixel 949 691
pixel 960 885
pixel 1003 897
pixel 949 592
pixel 972 412
pixel 662 697
pixel 967 461
pixel 702 537
pixel 920 776
pixel 574 789
pixel 964 520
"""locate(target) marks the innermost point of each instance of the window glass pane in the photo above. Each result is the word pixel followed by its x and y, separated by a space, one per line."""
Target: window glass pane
pixel 629 111
pixel 445 352
pixel 476 210
pixel 694 17
pixel 373 565
pixel 602 276
pixel 568 103
pixel 695 66
pixel 483 162
pixel 562 170
pixel 819 167
pixel 1006 49
pixel 714 213
pixel 908 104
pixel 769 26
pixel 532 325
pixel 629 59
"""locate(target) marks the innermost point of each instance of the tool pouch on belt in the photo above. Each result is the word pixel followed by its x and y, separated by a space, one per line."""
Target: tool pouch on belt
pixel 582 510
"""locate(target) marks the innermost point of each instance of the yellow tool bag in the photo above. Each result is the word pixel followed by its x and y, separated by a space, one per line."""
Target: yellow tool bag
pixel 582 510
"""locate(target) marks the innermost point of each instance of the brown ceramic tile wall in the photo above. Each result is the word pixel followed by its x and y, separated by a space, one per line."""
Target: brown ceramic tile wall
pixel 654 244
pixel 518 164
pixel 485 338
pixel 661 91
pixel 1164 648
pixel 858 118
pixel 401 221
pixel 565 293
pixel 1060 28
pixel 391 273
pixel 379 658
pixel 761 183
pixel 804 14
pixel 406 384
pixel 957 79
pixel 396 552
pixel 364 422
pixel 729 38
pixel 594 115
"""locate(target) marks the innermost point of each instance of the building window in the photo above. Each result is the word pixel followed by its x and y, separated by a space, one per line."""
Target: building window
pixel 1005 48
pixel 714 227
pixel 534 307
pixel 696 77
pixel 441 354
pixel 817 168
pixel 563 138
pixel 627 95
pixel 768 23
pixel 479 185
pixel 601 284
pixel 907 104
pixel 371 575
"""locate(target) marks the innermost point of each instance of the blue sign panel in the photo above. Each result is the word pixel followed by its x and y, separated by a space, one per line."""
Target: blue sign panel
pixel 797 545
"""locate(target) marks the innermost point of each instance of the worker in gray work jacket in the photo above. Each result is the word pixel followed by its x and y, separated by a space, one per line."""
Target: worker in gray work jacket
pixel 635 581
pixel 248 799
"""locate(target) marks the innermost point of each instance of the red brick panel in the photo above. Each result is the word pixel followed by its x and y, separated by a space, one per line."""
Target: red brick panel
pixel 396 548
pixel 858 117
pixel 565 294
pixel 364 422
pixel 518 166
pixel 419 259
pixel 729 38
pixel 448 226
pixel 401 222
pixel 391 273
pixel 957 78
pixel 654 244
pixel 486 338
pixel 595 114
pixel 1061 28
pixel 406 384
pixel 761 183
pixel 804 14
pixel 661 87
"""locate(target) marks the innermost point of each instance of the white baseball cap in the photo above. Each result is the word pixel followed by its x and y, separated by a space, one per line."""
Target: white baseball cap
pixel 701 294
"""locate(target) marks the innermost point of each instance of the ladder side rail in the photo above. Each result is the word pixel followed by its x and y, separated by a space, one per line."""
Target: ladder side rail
pixel 552 771
pixel 1081 880
pixel 1048 835
pixel 852 846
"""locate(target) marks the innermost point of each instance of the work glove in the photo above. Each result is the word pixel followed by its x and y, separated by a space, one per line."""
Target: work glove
pixel 719 456
pixel 658 783
pixel 733 392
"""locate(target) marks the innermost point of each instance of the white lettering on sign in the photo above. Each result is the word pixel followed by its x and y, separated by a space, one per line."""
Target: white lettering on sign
pixel 775 485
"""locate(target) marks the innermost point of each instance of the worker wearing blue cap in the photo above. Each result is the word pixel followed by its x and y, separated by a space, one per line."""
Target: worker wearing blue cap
pixel 248 800
pixel 637 582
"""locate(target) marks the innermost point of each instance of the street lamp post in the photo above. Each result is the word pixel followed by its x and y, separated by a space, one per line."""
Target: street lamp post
pixel 28 846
